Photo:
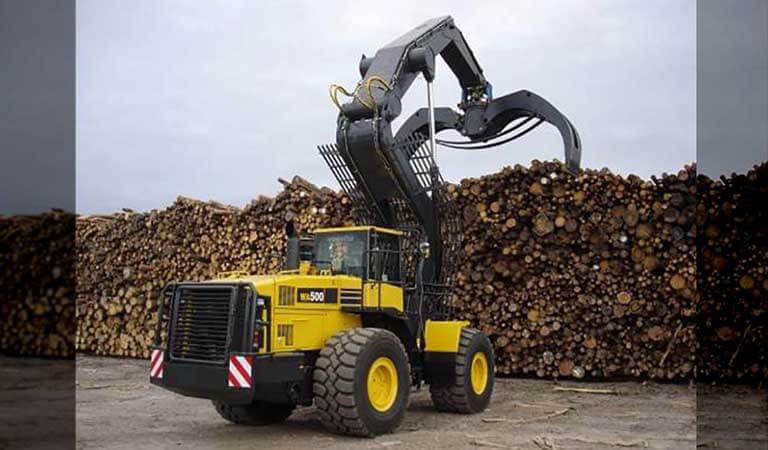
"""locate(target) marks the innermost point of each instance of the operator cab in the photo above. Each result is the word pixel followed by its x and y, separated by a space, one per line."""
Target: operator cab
pixel 366 252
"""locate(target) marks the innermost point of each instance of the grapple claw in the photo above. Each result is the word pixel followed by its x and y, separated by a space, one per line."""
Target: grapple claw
pixel 489 125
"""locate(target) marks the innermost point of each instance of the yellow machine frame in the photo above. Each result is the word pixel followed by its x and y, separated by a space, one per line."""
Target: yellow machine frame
pixel 305 324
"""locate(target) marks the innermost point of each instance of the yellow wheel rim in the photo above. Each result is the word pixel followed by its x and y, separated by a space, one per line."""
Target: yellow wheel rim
pixel 382 384
pixel 478 373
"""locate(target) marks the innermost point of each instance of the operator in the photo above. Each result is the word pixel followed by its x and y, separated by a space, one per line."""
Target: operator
pixel 339 252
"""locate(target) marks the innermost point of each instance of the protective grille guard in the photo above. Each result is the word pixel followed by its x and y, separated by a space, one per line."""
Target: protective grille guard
pixel 183 339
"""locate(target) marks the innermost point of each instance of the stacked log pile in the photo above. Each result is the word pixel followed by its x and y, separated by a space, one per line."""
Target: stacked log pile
pixel 732 248
pixel 37 285
pixel 593 275
pixel 589 275
pixel 124 260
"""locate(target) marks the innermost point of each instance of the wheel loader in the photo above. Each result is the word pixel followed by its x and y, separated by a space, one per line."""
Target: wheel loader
pixel 363 314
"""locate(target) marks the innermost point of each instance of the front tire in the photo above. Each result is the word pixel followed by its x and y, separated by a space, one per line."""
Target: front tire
pixel 361 382
pixel 255 414
pixel 471 386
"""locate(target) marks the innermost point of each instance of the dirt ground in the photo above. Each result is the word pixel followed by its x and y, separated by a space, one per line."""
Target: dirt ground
pixel 117 408
pixel 37 403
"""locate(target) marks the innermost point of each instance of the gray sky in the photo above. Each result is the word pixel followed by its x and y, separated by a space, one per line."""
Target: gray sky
pixel 732 65
pixel 37 104
pixel 215 100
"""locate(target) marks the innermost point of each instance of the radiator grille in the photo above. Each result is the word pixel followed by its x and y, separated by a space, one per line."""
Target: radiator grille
pixel 285 332
pixel 287 296
pixel 201 324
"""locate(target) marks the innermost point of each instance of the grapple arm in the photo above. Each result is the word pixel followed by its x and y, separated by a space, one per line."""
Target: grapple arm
pixel 485 127
pixel 503 110
pixel 392 177
pixel 398 64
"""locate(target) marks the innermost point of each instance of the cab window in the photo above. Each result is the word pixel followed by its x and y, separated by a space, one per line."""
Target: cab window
pixel 341 252
pixel 385 258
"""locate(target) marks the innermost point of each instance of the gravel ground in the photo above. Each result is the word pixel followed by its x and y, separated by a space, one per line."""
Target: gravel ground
pixel 117 408
pixel 37 403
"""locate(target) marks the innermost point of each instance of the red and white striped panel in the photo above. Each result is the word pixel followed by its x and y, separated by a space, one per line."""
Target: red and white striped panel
pixel 240 371
pixel 156 364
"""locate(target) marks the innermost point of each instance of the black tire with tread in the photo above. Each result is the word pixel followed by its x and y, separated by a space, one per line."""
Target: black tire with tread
pixel 340 382
pixel 458 397
pixel 255 414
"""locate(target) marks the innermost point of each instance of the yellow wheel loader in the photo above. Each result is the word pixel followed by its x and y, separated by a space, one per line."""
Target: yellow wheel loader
pixel 361 314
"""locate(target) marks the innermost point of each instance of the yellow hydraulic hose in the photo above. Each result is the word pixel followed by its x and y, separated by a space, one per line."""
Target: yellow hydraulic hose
pixel 367 85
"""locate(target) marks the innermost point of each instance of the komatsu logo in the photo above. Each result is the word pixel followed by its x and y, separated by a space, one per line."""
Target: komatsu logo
pixel 313 296
pixel 316 295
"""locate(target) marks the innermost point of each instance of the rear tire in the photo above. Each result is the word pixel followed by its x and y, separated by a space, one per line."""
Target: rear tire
pixel 255 414
pixel 472 385
pixel 362 379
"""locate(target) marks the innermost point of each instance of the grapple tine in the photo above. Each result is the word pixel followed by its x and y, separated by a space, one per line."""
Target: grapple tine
pixel 527 103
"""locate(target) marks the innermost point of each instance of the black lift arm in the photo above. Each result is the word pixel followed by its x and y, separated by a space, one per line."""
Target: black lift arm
pixel 392 178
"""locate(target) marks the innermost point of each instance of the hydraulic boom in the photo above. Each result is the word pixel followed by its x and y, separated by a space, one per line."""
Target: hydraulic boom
pixel 392 177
